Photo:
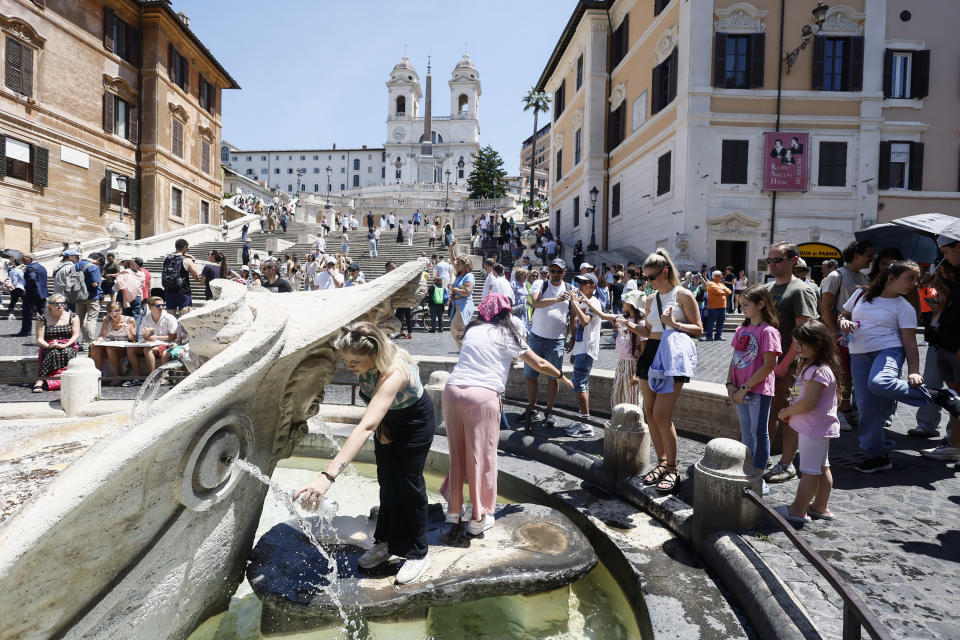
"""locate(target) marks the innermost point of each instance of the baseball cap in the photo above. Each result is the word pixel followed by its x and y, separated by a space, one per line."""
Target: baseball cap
pixel 801 264
pixel 544 270
pixel 586 265
pixel 70 252
pixel 558 263
pixel 330 260
pixel 586 278
pixel 354 267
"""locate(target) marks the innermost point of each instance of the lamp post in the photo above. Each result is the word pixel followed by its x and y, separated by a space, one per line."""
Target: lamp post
pixel 807 33
pixel 329 171
pixel 592 214
pixel 122 188
pixel 446 202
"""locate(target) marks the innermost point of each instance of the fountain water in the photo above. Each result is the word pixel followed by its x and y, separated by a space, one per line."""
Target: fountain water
pixel 151 386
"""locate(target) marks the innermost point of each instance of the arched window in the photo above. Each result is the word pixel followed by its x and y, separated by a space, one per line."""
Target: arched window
pixel 401 106
pixel 436 138
pixel 463 103
pixel 224 154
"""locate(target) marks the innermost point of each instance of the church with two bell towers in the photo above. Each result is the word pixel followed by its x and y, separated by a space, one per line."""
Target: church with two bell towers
pixel 421 146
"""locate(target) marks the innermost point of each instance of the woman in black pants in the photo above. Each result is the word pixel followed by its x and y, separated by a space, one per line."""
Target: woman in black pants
pixel 400 415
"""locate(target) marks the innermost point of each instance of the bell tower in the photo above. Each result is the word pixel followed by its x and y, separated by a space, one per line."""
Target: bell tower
pixel 465 91
pixel 403 92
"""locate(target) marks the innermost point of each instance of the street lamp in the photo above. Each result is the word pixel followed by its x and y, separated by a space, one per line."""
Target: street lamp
pixel 592 214
pixel 819 13
pixel 446 203
pixel 121 182
pixel 329 171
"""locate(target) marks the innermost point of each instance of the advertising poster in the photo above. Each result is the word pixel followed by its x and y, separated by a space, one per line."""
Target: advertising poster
pixel 785 166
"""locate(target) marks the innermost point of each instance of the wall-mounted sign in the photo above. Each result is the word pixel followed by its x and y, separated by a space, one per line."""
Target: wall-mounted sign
pixel 819 251
pixel 785 166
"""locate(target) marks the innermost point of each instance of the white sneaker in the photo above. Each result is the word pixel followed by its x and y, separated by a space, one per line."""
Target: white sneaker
pixel 476 527
pixel 945 450
pixel 375 557
pixel 412 569
pixel 454 518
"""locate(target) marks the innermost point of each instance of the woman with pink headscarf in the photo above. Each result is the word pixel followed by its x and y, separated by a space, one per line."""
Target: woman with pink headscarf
pixel 471 407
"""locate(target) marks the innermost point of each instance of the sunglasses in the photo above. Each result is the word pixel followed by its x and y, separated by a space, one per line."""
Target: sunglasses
pixel 555 271
pixel 777 260
pixel 114 311
pixel 654 276
pixel 160 306
pixel 58 304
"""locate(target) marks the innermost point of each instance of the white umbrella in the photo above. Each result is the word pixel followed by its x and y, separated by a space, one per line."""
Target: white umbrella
pixel 932 224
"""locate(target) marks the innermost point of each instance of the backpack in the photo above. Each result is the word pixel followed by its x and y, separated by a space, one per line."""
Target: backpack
pixel 438 294
pixel 73 283
pixel 172 268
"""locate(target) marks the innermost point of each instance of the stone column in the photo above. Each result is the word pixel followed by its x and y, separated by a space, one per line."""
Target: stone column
pixel 626 445
pixel 79 385
pixel 719 479
pixel 438 380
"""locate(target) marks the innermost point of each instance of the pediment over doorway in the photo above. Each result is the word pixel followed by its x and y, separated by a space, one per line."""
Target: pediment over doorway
pixel 733 222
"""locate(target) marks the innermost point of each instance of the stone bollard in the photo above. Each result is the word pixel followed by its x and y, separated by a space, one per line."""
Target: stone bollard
pixel 79 385
pixel 719 479
pixel 626 445
pixel 438 380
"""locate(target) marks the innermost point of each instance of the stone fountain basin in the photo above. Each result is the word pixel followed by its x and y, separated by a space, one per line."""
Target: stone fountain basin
pixel 532 548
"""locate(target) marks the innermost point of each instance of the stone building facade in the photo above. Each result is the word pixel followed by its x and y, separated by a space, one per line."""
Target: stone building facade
pixel 541 165
pixel 664 106
pixel 105 106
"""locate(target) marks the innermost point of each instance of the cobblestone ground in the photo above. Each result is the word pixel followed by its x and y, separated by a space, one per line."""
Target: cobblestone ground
pixel 895 540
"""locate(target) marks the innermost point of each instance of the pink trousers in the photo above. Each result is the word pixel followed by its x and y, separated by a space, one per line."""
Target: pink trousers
pixel 472 417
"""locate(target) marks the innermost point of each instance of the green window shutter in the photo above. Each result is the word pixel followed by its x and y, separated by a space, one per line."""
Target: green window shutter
pixel 41 157
pixel 3 155
pixel 887 72
pixel 920 74
pixel 757 58
pixel 916 166
pixel 856 64
pixel 14 69
pixel 108 104
pixel 883 179
pixel 108 187
pixel 819 56
pixel 133 194
pixel 719 59
pixel 133 123
pixel 26 69
pixel 108 21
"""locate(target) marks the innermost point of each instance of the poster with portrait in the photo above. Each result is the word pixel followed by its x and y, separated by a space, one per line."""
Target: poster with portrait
pixel 785 166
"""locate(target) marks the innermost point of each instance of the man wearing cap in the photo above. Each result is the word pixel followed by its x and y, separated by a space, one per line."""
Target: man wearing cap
pixel 946 338
pixel 89 309
pixel 272 279
pixel 550 300
pixel 34 292
pixel 584 346
pixel 354 275
pixel 70 258
pixel 585 268
pixel 328 278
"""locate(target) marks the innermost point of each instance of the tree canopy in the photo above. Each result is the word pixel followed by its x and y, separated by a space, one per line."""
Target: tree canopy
pixel 487 179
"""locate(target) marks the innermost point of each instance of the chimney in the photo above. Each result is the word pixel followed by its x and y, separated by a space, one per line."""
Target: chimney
pixel 184 19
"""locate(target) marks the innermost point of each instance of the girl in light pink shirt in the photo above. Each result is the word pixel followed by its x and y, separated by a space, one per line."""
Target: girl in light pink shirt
pixel 813 415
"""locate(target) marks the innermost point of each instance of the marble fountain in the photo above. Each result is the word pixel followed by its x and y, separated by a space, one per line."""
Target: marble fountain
pixel 142 527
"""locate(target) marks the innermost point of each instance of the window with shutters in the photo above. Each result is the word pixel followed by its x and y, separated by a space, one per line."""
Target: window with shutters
pixel 276 171
pixel 664 83
pixel 906 74
pixel 176 142
pixel 733 161
pixel 120 38
pixel 832 169
pixel 204 212
pixel 619 42
pixel 120 117
pixel 838 63
pixel 617 129
pixel 738 60
pixel 178 69
pixel 901 165
pixel 615 201
pixel 559 164
pixel 18 159
pixel 204 156
pixel 663 174
pixel 119 188
pixel 558 221
pixel 316 187
pixel 208 96
pixel 356 164
pixel 18 68
pixel 579 72
pixel 559 98
pixel 224 154
pixel 576 212
pixel 356 181
pixel 577 141
pixel 176 202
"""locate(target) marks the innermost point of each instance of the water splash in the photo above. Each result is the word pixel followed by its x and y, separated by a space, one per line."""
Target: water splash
pixel 151 386
pixel 327 511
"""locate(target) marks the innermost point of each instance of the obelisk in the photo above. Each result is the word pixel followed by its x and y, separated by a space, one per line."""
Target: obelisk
pixel 426 163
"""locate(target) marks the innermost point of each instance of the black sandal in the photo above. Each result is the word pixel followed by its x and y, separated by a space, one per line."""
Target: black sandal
pixel 669 481
pixel 653 476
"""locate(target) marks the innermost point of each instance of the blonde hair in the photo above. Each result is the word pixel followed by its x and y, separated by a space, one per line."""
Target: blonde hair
pixel 660 259
pixel 365 339
pixel 464 261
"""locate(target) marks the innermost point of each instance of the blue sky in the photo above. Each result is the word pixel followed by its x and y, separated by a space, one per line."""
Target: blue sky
pixel 313 72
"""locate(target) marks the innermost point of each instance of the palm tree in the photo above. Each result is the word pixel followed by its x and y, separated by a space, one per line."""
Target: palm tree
pixel 538 101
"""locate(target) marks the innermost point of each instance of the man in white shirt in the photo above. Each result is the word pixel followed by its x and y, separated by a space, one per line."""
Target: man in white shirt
pixel 488 277
pixel 551 248
pixel 550 300
pixel 157 329
pixel 443 270
pixel 319 246
pixel 329 278
pixel 499 282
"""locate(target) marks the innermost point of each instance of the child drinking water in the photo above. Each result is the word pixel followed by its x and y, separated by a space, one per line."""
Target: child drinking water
pixel 813 415
pixel 629 346
pixel 750 380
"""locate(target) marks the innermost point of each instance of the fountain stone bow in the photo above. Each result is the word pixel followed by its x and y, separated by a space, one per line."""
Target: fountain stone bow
pixel 146 534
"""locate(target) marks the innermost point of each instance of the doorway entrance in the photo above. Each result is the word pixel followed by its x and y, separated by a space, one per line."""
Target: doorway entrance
pixel 732 253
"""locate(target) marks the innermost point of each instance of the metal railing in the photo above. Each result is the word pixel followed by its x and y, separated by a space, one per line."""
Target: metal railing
pixel 856 614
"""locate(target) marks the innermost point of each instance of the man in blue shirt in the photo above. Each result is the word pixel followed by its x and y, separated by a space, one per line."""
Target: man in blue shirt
pixel 35 292
pixel 89 310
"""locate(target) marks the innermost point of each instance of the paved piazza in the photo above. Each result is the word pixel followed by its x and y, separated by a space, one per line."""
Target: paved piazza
pixel 895 539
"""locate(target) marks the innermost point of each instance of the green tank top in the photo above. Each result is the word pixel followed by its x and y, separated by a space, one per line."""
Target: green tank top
pixel 406 397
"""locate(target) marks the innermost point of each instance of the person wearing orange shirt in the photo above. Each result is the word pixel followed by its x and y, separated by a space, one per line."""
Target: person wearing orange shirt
pixel 717 294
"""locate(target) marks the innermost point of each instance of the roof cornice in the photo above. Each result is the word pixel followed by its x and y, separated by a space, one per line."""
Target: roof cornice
pixel 567 35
